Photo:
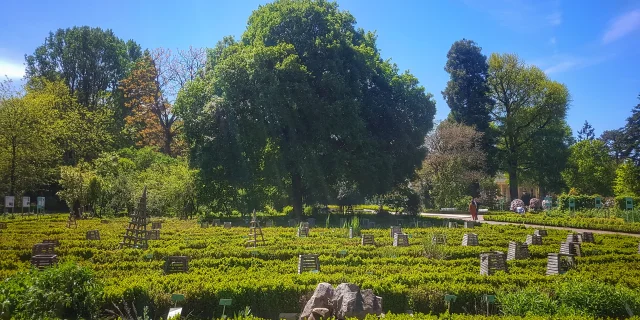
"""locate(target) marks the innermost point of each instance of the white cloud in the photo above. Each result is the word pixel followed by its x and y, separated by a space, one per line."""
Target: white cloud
pixel 563 62
pixel 622 26
pixel 521 14
pixel 13 70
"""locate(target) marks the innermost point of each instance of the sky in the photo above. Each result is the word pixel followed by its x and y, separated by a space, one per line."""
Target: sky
pixel 593 47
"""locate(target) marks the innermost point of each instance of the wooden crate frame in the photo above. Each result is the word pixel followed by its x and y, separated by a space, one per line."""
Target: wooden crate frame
pixel 394 230
pixel 517 251
pixel 43 261
pixel 368 239
pixel 400 240
pixel 533 239
pixel 156 225
pixel 153 234
pixel 176 264
pixel 492 262
pixel 470 239
pixel 555 264
pixel 541 232
pixel 572 248
pixel 308 262
pixel 439 238
pixel 93 235
pixel 43 249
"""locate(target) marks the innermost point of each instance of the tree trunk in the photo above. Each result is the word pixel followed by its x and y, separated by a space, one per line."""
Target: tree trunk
pixel 167 140
pixel 296 194
pixel 513 180
pixel 12 183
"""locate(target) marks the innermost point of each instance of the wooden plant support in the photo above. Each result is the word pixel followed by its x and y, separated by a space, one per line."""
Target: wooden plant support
pixel 394 230
pixel 588 237
pixel 367 239
pixel 400 240
pixel 175 264
pixel 572 248
pixel 452 224
pixel 574 237
pixel 135 236
pixel 55 242
pixel 93 235
pixel 255 232
pixel 3 225
pixel 43 255
pixel 303 231
pixel 491 262
pixel 533 239
pixel 215 222
pixel 559 263
pixel 541 232
pixel 153 234
pixel 308 262
pixel 439 238
pixel 517 251
pixel 470 239
pixel 72 221
pixel 227 225
pixel 469 224
pixel 156 225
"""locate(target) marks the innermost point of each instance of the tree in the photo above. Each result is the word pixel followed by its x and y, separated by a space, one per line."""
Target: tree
pixel 615 141
pixel 155 78
pixel 526 102
pixel 586 133
pixel 627 181
pixel 632 135
pixel 467 91
pixel 544 156
pixel 28 152
pixel 91 61
pixel 454 161
pixel 303 103
pixel 589 168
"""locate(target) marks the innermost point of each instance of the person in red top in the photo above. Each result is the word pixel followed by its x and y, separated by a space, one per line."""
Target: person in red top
pixel 473 209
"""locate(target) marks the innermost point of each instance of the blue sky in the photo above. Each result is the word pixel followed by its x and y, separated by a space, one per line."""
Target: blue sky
pixel 591 46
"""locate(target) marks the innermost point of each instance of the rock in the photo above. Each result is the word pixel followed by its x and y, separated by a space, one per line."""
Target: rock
pixel 345 301
pixel 321 299
pixel 372 303
pixel 319 313
pixel 348 301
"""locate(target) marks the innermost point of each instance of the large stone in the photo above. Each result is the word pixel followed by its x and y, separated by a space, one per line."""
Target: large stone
pixel 372 303
pixel 321 298
pixel 348 301
pixel 345 301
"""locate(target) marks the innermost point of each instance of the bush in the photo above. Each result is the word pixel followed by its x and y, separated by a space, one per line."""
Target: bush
pixel 463 203
pixel 581 201
pixel 515 204
pixel 535 204
pixel 66 291
pixel 621 204
pixel 527 302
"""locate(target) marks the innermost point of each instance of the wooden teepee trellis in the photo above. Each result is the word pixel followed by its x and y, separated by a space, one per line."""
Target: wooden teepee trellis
pixel 136 235
pixel 254 232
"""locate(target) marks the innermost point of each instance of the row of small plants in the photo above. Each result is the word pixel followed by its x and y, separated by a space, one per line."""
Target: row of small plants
pixel 265 279
pixel 608 220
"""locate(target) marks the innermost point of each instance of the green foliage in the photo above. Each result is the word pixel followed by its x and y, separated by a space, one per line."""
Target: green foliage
pixel 581 201
pixel 91 61
pixel 467 92
pixel 273 104
pixel 598 299
pixel 590 169
pixel 621 202
pixel 66 291
pixel 527 103
pixel 527 302
pixel 608 220
pixel 462 203
pixel 627 181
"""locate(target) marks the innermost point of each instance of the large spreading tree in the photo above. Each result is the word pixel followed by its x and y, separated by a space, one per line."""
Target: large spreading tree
pixel 590 169
pixel 526 103
pixel 303 103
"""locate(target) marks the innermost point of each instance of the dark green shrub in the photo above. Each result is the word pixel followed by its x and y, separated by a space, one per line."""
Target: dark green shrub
pixel 66 291
pixel 621 202
pixel 582 201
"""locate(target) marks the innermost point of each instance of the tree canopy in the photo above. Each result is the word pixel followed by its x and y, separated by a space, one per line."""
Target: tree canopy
pixel 305 101
pixel 526 102
pixel 590 169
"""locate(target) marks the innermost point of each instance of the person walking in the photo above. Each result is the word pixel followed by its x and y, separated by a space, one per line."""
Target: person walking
pixel 473 209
